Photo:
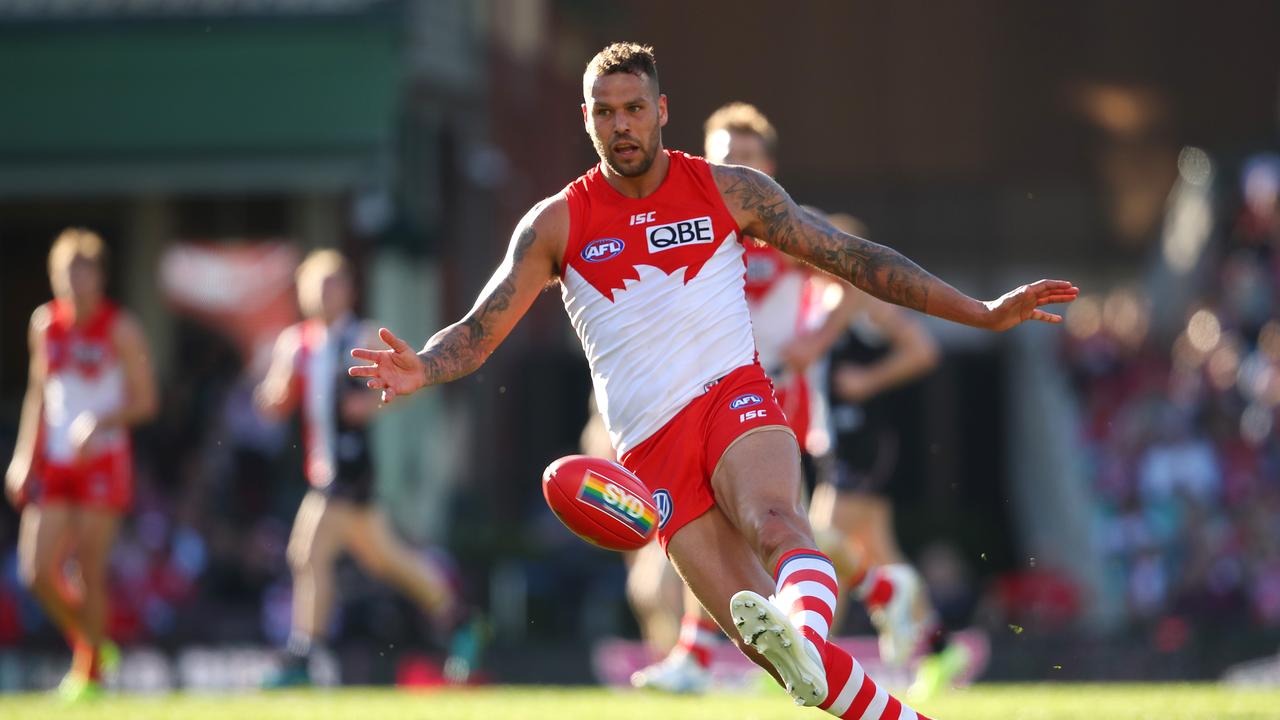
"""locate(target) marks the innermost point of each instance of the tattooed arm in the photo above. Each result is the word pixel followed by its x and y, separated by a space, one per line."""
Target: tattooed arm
pixel 765 211
pixel 462 347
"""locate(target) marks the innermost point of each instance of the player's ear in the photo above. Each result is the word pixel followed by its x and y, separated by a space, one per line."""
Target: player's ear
pixel 585 123
pixel 662 110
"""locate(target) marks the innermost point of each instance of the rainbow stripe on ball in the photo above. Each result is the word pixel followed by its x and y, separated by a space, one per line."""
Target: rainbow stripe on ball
pixel 618 502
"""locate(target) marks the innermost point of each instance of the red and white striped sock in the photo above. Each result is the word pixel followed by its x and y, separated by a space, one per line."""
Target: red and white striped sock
pixel 698 637
pixel 871 586
pixel 853 695
pixel 807 590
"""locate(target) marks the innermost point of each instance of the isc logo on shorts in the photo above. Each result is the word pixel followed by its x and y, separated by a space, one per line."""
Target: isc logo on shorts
pixel 695 231
pixel 744 401
pixel 602 249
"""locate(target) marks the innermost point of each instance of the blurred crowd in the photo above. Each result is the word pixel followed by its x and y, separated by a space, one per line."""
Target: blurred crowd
pixel 1177 422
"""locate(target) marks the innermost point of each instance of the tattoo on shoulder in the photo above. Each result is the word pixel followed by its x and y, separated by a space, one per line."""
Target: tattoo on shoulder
pixel 807 236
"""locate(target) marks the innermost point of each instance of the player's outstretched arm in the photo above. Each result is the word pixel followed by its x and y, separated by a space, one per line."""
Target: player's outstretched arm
pixel 457 350
pixel 765 211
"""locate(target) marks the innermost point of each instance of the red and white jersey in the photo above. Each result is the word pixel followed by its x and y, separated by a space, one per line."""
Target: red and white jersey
pixel 654 289
pixel 785 299
pixel 83 374
pixel 320 367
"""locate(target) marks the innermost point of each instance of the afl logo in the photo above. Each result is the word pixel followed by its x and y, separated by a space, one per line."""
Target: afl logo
pixel 745 401
pixel 602 249
pixel 662 499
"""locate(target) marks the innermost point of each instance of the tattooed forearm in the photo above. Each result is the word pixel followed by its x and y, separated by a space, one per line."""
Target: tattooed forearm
pixel 880 271
pixel 462 347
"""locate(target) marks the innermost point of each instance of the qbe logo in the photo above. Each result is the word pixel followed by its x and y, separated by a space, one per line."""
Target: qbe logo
pixel 662 499
pixel 696 231
pixel 745 401
pixel 602 249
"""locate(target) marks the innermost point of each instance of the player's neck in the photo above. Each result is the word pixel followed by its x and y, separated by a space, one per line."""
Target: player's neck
pixel 640 186
pixel 83 308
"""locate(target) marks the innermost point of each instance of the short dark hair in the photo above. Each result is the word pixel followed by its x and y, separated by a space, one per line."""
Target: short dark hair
pixel 624 57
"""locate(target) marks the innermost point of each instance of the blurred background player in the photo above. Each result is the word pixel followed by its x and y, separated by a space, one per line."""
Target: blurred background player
pixel 338 513
pixel 797 314
pixel 71 476
pixel 883 349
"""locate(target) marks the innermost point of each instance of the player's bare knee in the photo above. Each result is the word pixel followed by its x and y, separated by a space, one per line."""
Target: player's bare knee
pixel 777 530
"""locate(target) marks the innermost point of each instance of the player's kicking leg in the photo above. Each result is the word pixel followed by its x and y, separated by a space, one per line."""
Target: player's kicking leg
pixel 757 523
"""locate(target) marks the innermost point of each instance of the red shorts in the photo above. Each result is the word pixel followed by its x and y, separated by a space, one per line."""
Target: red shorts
pixel 104 481
pixel 677 462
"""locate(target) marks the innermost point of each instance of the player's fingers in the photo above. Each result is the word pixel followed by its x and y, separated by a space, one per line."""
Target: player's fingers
pixel 392 341
pixel 388 395
pixel 366 354
pixel 375 384
pixel 363 371
pixel 1051 299
pixel 1043 316
pixel 1053 285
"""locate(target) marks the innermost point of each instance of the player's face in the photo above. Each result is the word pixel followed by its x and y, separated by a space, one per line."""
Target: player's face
pixel 78 280
pixel 336 296
pixel 739 148
pixel 624 115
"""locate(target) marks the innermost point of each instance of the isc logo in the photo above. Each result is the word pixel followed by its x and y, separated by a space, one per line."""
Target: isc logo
pixel 623 500
pixel 602 249
pixel 696 231
pixel 752 415
pixel 743 401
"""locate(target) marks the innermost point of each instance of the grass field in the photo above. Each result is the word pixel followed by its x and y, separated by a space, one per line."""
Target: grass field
pixel 984 702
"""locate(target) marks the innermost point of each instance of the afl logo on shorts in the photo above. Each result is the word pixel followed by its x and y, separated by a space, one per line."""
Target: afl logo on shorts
pixel 602 249
pixel 745 401
pixel 662 499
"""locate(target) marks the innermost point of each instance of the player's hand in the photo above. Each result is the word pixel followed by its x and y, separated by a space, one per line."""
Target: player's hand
pixel 853 384
pixel 15 481
pixel 398 371
pixel 1024 303
pixel 83 431
pixel 803 351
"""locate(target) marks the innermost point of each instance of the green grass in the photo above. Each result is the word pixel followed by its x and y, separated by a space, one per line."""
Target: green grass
pixel 984 702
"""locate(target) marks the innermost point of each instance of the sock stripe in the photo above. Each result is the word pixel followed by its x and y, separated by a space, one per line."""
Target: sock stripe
pixel 789 593
pixel 840 669
pixel 866 691
pixel 809 603
pixel 800 553
pixel 875 710
pixel 812 621
pixel 853 695
pixel 893 710
pixel 821 566
pixel 822 576
pixel 849 691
